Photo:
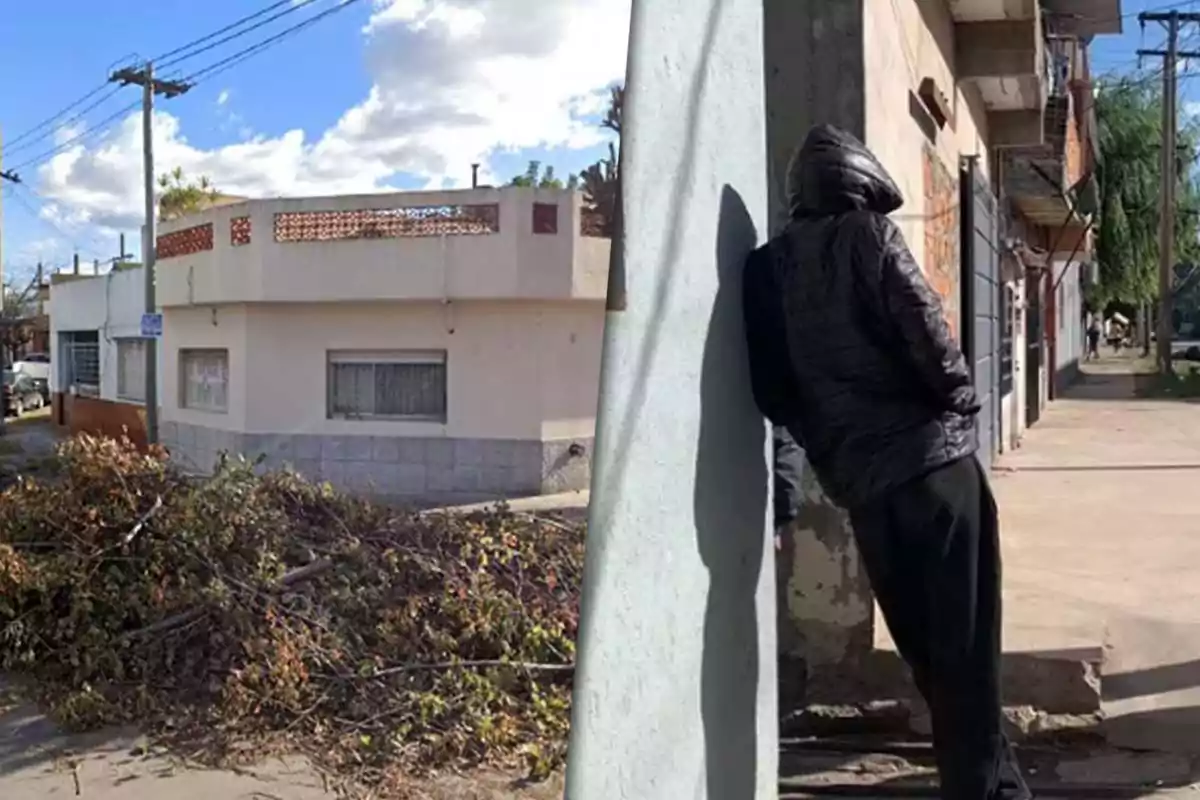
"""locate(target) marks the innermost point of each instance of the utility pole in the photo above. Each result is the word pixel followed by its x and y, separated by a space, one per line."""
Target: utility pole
pixel 11 177
pixel 144 77
pixel 1166 224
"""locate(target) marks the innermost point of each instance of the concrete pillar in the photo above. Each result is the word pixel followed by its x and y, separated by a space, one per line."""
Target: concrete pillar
pixel 676 686
pixel 814 73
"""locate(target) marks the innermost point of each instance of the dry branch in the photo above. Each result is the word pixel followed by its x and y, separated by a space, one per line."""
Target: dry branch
pixel 263 613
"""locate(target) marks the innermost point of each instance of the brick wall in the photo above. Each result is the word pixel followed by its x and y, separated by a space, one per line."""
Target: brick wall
pixel 942 253
pixel 1074 147
pixel 79 414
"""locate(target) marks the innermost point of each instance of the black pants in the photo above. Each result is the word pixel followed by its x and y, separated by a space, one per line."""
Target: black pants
pixel 932 551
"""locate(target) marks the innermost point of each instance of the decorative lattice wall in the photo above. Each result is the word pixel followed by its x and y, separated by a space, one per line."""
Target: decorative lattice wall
pixel 388 223
pixel 239 231
pixel 196 239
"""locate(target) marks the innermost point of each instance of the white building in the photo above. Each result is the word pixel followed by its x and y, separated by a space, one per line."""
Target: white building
pixel 432 345
pixel 98 376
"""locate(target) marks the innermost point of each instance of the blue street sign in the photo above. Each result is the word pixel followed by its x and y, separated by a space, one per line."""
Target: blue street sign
pixel 152 326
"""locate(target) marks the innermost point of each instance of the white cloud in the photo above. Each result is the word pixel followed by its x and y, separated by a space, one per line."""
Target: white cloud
pixel 453 82
pixel 223 97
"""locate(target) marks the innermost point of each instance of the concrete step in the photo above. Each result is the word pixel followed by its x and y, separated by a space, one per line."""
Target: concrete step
pixel 1151 695
pixel 1053 681
pixel 877 768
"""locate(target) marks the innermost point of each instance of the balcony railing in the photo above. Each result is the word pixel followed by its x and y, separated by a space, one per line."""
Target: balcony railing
pixel 402 222
pixel 478 243
pixel 1059 53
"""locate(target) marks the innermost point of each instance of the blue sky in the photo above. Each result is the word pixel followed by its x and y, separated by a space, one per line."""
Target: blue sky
pixel 51 54
pixel 1120 52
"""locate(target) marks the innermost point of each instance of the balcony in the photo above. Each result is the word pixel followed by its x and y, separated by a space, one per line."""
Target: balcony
pixel 999 47
pixel 495 244
pixel 1047 182
pixel 1085 18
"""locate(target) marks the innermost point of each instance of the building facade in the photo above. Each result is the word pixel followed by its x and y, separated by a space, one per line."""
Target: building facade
pixel 426 346
pixel 981 111
pixel 97 355
pixel 417 345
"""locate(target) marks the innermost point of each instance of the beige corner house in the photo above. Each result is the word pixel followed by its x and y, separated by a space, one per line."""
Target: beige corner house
pixel 422 345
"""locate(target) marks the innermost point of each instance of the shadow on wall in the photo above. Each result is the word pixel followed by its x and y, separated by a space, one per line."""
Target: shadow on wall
pixel 1066 376
pixel 730 505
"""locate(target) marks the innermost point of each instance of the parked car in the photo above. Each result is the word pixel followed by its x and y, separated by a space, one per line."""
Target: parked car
pixel 35 365
pixel 22 393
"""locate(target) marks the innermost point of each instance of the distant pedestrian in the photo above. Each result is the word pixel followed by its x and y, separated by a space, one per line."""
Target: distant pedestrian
pixel 1093 338
pixel 850 351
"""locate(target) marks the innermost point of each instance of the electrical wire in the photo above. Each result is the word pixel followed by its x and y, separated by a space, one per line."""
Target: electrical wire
pixel 226 29
pixel 67 108
pixel 66 123
pixel 14 141
pixel 206 73
pixel 28 137
pixel 85 133
pixel 229 62
pixel 33 212
pixel 47 221
pixel 292 7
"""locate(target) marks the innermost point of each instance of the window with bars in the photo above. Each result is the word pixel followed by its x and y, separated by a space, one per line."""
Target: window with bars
pixel 204 379
pixel 131 370
pixel 407 385
pixel 80 368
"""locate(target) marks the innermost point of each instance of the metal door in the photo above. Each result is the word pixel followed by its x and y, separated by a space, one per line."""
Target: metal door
pixel 980 289
pixel 1033 344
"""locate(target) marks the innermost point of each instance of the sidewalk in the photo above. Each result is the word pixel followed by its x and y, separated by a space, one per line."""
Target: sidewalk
pixel 1099 513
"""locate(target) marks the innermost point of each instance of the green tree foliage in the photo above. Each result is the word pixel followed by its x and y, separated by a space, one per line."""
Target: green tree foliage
pixel 599 181
pixel 15 330
pixel 181 195
pixel 543 178
pixel 600 188
pixel 1129 115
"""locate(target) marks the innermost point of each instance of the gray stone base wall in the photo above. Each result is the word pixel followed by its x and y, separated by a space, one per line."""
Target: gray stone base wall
pixel 407 468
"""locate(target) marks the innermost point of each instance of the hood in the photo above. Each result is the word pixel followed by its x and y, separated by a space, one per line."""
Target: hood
pixel 833 173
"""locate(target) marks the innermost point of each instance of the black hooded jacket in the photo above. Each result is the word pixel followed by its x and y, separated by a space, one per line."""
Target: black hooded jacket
pixel 849 347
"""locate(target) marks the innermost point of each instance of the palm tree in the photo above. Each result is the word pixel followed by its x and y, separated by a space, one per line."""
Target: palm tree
pixel 600 181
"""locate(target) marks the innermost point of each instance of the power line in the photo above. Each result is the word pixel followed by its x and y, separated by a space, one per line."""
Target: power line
pixel 28 136
pixel 65 123
pixel 37 215
pixel 224 64
pixel 219 31
pixel 50 221
pixel 1173 21
pixel 292 7
pixel 89 131
pixel 206 73
pixel 48 120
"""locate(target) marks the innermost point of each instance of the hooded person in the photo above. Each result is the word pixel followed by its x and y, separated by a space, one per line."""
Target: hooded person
pixel 850 351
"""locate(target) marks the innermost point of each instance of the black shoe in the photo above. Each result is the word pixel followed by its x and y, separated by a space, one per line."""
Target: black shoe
pixel 1011 784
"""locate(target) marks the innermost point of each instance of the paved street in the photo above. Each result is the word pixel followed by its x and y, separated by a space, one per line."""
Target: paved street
pixel 1099 510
